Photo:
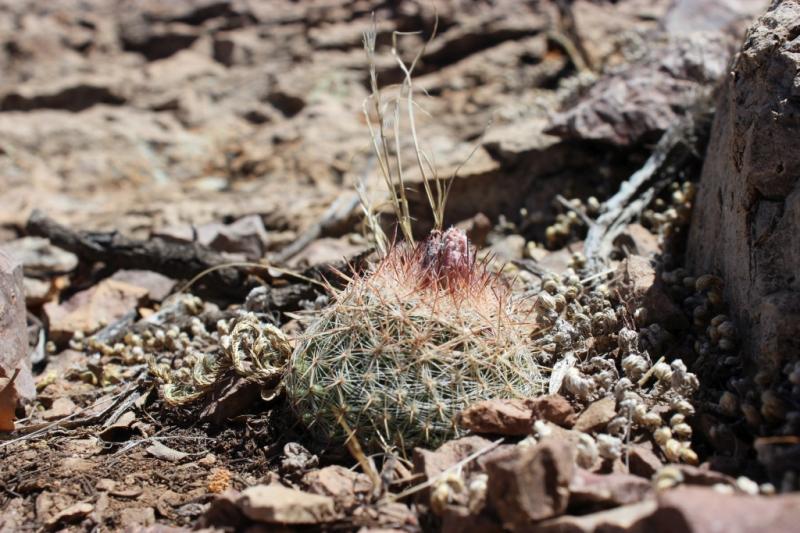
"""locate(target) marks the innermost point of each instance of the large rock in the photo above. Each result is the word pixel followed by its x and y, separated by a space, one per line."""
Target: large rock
pixel 13 328
pixel 530 484
pixel 745 225
pixel 703 509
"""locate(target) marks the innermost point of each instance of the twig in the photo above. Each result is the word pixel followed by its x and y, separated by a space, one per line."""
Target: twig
pixel 117 252
pixel 334 216
pixel 67 422
pixel 680 147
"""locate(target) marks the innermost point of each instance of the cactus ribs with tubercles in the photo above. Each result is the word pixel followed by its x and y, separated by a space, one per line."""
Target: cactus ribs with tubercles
pixel 406 346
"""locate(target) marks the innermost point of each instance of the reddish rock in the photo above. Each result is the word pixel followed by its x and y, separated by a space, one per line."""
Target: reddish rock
pixel 528 484
pixel 157 285
pixel 90 310
pixel 458 519
pixel 628 518
pixel 749 191
pixel 638 240
pixel 432 463
pixel 274 504
pixel 515 417
pixel 597 415
pixel 643 461
pixel 553 408
pixel 700 510
pixel 498 417
pixel 13 337
pixel 587 489
pixel 345 486
pixel 640 287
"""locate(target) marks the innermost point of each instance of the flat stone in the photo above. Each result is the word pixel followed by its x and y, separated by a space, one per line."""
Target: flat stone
pixel 597 415
pixel 274 504
pixel 704 509
pixel 528 484
pixel 627 518
pixel 92 309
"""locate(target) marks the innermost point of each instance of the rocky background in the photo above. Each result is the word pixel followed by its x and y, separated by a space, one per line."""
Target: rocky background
pixel 214 131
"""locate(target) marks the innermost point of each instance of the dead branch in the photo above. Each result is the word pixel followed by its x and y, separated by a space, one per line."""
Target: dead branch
pixel 177 260
pixel 681 147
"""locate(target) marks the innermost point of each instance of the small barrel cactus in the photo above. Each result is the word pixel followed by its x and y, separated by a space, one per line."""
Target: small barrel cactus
pixel 405 347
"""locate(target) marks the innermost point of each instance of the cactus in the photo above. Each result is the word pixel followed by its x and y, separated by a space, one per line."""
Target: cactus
pixel 408 345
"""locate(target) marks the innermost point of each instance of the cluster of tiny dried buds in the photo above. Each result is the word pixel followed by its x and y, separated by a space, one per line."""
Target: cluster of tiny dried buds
pixel 568 223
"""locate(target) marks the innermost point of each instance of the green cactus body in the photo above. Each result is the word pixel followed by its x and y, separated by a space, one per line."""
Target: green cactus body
pixel 406 347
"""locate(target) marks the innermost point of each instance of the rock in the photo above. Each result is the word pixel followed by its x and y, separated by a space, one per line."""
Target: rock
pixel 457 519
pixel 432 463
pixel 393 516
pixel 160 450
pixel 138 516
pixel 704 509
pixel 61 407
pixel 156 41
pixel 516 416
pixel 627 518
pixel 636 103
pixel 477 229
pixel 643 461
pixel 39 258
pixel 637 277
pixel 553 408
pixel 327 250
pixel 597 415
pixel 93 308
pixel 508 248
pixel 37 291
pixel 157 285
pixel 750 192
pixel 245 236
pixel 342 484
pixel 498 417
pixel 589 490
pixel 273 504
pixel 638 240
pixel 693 475
pixel 69 94
pixel 71 515
pixel 13 342
pixel 528 484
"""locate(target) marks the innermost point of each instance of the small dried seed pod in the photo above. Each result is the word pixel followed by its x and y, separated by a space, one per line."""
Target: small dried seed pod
pixel 672 450
pixel 706 282
pixel 662 372
pixel 687 455
pixel 676 419
pixel 587 451
pixel 773 408
pixel 729 404
pixel 662 435
pixel 617 427
pixel 609 447
pixel 747 485
pixel 727 329
pixel 560 301
pixel 545 302
pixel 751 415
pixel 682 431
pixel 667 478
pixel 726 344
pixel 683 407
